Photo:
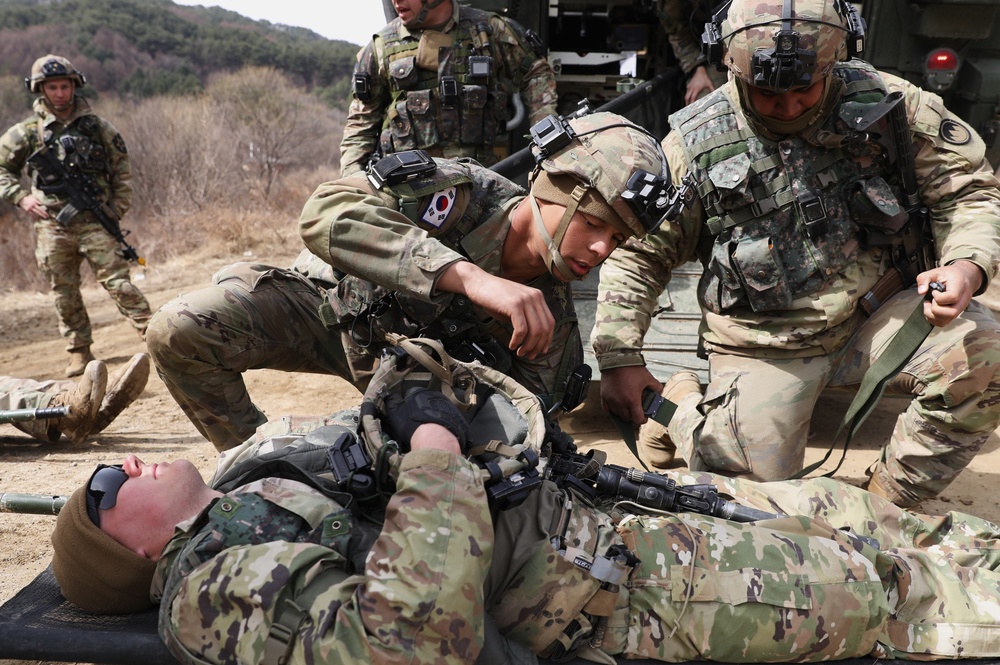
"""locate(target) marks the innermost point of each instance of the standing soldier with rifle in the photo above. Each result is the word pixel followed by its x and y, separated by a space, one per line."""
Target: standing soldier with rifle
pixel 80 188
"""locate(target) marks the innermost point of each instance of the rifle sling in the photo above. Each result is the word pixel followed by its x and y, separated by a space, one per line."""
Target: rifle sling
pixel 900 349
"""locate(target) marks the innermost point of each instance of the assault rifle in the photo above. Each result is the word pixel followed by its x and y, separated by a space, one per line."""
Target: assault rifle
pixel 81 191
pixel 912 246
pixel 597 480
pixel 22 415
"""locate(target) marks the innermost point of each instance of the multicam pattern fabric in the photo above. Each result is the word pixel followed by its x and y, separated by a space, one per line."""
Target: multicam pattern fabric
pixel 18 393
pixel 753 26
pixel 839 573
pixel 404 108
pixel 60 249
pixel 317 318
pixel 819 314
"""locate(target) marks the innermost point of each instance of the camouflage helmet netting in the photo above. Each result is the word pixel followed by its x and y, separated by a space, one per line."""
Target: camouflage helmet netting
pixel 605 159
pixel 58 67
pixel 751 26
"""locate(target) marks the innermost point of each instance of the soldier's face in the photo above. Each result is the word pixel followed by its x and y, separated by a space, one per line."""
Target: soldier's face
pixel 408 10
pixel 59 94
pixel 784 106
pixel 151 502
pixel 588 240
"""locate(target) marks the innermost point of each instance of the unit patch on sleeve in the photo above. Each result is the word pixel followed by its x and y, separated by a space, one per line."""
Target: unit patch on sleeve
pixel 954 133
pixel 439 206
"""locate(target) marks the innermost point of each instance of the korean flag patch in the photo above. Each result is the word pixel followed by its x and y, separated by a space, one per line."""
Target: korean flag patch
pixel 439 207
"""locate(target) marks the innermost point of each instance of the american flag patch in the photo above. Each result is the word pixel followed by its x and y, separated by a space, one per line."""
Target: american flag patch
pixel 439 207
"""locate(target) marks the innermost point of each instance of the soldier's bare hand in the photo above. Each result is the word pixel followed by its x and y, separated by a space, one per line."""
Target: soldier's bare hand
pixel 30 205
pixel 522 306
pixel 698 84
pixel 621 391
pixel 436 437
pixel 960 280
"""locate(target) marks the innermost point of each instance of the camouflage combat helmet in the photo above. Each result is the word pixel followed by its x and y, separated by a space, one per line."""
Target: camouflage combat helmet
pixel 507 430
pixel 53 67
pixel 601 164
pixel 792 44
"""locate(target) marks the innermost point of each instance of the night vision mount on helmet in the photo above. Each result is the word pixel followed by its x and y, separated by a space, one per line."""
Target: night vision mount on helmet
pixel 779 48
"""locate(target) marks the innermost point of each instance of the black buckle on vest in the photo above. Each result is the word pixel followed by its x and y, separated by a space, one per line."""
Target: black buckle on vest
pixel 814 215
pixel 400 167
pixel 448 89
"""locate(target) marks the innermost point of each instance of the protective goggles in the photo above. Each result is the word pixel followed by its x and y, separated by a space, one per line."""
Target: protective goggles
pixel 102 489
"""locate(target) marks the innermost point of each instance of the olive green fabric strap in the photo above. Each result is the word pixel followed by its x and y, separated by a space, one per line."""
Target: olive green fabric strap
pixel 664 412
pixel 900 349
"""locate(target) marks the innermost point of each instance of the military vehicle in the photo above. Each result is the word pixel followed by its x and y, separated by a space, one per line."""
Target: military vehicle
pixel 950 48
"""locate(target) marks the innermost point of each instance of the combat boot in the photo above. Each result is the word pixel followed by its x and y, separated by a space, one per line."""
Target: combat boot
pixel 83 402
pixel 655 447
pixel 888 491
pixel 124 386
pixel 78 359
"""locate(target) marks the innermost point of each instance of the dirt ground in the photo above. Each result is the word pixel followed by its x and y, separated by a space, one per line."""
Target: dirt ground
pixel 155 429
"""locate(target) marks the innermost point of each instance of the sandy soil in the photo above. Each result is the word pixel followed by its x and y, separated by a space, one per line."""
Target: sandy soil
pixel 156 430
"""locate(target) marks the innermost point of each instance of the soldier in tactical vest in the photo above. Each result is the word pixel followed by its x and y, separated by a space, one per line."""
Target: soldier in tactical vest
pixel 94 400
pixel 816 242
pixel 420 247
pixel 442 77
pixel 64 123
pixel 270 564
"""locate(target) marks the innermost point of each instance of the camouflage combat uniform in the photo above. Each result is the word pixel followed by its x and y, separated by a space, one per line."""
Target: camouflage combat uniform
pixel 800 588
pixel 317 317
pixel 781 302
pixel 60 249
pixel 676 19
pixel 404 109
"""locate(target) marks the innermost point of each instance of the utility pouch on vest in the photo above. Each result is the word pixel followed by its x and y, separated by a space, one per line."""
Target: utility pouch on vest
pixel 473 109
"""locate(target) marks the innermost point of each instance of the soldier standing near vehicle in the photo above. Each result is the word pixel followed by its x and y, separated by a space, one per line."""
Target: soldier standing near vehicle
pixel 64 125
pixel 441 249
pixel 798 222
pixel 442 77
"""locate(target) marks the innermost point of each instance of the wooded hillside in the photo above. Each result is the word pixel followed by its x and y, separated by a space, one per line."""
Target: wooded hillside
pixel 149 47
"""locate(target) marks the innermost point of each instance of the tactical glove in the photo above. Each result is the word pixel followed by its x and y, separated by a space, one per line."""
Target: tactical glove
pixel 404 414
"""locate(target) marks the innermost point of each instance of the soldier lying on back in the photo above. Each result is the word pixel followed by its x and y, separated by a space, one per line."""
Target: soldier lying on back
pixel 268 569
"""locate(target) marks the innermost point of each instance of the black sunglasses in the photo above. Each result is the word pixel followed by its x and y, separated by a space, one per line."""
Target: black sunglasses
pixel 102 489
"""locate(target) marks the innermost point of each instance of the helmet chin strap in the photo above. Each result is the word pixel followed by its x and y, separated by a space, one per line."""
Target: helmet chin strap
pixel 422 14
pixel 553 259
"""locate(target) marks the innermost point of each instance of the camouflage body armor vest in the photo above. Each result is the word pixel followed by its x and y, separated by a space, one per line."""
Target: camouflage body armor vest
pixel 366 312
pixel 784 218
pixel 80 148
pixel 450 105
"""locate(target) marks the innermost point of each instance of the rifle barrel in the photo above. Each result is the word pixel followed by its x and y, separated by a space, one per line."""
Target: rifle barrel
pixel 31 504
